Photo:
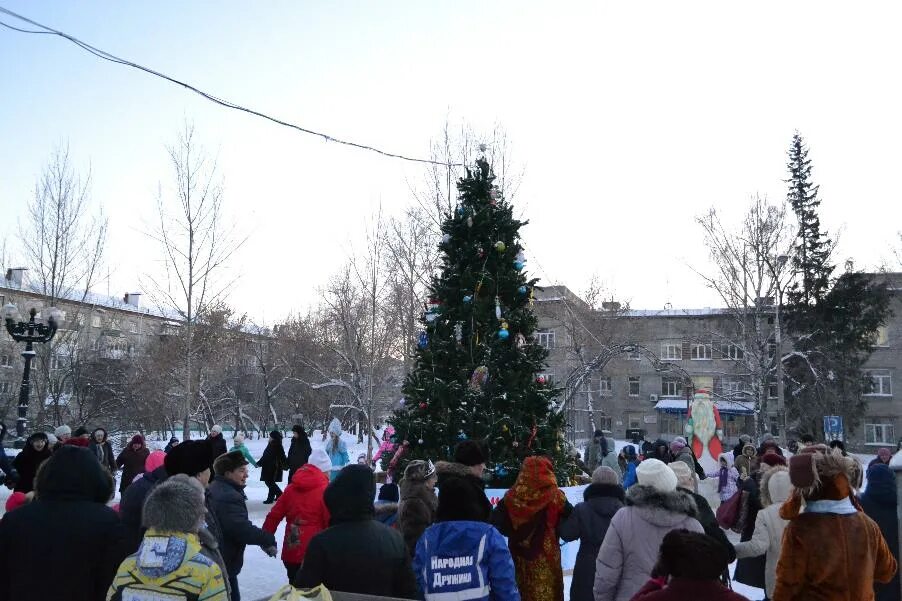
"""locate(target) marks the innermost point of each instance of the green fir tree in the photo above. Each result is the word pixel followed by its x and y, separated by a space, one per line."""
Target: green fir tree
pixel 476 371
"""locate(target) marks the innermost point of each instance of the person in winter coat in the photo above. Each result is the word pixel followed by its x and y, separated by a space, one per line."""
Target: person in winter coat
pixel 272 463
pixel 884 456
pixel 304 510
pixel 66 544
pixel 336 448
pixel 131 460
pixel 461 556
pixel 173 442
pixel 217 443
pixel 688 567
pixel 661 451
pixel 747 462
pixel 768 442
pixel 831 551
pixel 612 461
pixel 299 450
pixel 238 445
pixel 596 451
pixel 767 538
pixel 170 563
pixel 529 515
pixel 35 452
pixel 744 439
pixel 228 501
pixel 879 503
pixel 751 570
pixel 630 547
pixel 681 451
pixel 589 523
pixel 102 448
pixel 631 461
pixel 357 554
pixel 387 448
pixel 727 478
pixel 470 457
pixel 416 510
pixel 386 506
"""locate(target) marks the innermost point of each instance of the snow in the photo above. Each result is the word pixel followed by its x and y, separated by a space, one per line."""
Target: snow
pixel 263 575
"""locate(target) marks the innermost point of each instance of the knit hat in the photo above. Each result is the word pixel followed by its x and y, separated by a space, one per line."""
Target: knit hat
pixel 389 492
pixel 685 477
pixel 276 435
pixel 80 431
pixel 599 434
pixel 655 473
pixel 419 470
pixel 629 451
pixel 745 438
pixel 605 475
pixel 228 462
pixel 692 555
pixel 320 459
pixel 238 438
pixel 678 444
pixel 299 429
pixel 217 429
pixel 349 497
pixel 176 505
pixel 15 500
pixel 154 460
pixel 772 459
pixel 63 431
pixel 190 457
pixel 458 500
pixel 470 452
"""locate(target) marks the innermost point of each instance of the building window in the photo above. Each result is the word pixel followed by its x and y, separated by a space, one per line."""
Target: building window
pixel 732 387
pixel 671 352
pixel 877 382
pixel 79 320
pixel 133 327
pixel 6 361
pixel 881 336
pixel 671 387
pixel 545 338
pixel 635 421
pixel 731 352
pixel 701 352
pixel 604 422
pixel 634 386
pixel 604 386
pixel 672 424
pixel 771 350
pixel 773 390
pixel 57 361
pixel 877 434
pixel 95 321
pixel 6 387
pixel 634 355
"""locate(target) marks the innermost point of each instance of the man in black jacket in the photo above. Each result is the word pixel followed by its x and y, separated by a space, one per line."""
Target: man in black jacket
pixel 228 500
pixel 217 444
pixel 357 554
pixel 66 544
pixel 299 451
pixel 469 464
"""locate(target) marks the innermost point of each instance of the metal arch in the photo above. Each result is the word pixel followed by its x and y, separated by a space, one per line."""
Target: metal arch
pixel 578 376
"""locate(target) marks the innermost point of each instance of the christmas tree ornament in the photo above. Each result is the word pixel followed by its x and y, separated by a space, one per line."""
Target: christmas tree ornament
pixel 469 222
pixel 481 252
pixel 503 334
pixel 446 238
pixel 423 340
pixel 522 290
pixel 540 380
pixel 402 402
pixel 518 265
pixel 479 378
pixel 520 341
pixel 520 257
pixel 500 246
pixel 504 428
pixel 501 472
pixel 420 441
pixel 461 435
pixel 423 405
pixel 515 444
pixel 458 332
pixel 461 210
pixel 497 308
pixel 468 299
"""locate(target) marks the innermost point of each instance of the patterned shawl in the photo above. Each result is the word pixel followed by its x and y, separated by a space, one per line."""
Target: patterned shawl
pixel 534 491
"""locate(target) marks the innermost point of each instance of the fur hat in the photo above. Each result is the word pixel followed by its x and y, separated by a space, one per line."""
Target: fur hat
pixel 685 477
pixel 470 452
pixel 228 462
pixel 80 431
pixel 63 430
pixel 678 444
pixel 217 429
pixel 605 475
pixel 656 474
pixel 772 459
pixel 745 438
pixel 320 459
pixel 176 505
pixel 154 460
pixel 419 470
pixel 691 555
pixel 389 492
pixel 818 473
pixel 190 457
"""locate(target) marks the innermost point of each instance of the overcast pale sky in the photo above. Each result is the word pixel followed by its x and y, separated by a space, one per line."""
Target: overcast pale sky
pixel 630 119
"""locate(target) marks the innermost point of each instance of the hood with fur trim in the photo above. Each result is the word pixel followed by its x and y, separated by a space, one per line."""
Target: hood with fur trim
pixel 417 489
pixel 661 508
pixel 444 469
pixel 775 486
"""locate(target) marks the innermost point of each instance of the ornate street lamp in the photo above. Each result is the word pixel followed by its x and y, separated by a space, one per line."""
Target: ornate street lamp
pixel 29 332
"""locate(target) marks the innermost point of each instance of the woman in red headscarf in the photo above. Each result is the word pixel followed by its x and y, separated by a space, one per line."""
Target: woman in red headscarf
pixel 529 515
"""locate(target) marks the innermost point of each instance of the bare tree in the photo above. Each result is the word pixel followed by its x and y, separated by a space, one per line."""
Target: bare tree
pixel 747 276
pixel 197 247
pixel 62 241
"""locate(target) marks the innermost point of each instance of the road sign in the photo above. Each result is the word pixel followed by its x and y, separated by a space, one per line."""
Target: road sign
pixel 833 424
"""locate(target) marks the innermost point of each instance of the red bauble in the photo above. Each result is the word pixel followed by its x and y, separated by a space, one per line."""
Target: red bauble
pixel 422 405
pixel 540 380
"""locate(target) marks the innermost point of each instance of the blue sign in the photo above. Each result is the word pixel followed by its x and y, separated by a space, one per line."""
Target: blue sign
pixel 833 424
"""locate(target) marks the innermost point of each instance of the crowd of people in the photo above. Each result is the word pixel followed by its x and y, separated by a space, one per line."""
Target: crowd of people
pixel 182 525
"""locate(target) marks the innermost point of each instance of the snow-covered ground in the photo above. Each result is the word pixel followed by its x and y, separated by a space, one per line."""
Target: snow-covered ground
pixel 263 575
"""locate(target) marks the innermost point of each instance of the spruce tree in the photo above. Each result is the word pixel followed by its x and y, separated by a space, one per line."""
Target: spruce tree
pixel 477 366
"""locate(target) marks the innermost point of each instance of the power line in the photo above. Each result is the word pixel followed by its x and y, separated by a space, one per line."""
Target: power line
pixel 220 101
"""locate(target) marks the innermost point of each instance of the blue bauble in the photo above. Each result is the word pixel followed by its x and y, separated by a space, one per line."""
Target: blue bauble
pixel 461 210
pixel 518 265
pixel 468 299
pixel 423 341
pixel 522 290
pixel 503 334
pixel 461 436
pixel 501 472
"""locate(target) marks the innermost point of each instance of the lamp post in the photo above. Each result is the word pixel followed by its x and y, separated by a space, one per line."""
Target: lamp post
pixel 29 332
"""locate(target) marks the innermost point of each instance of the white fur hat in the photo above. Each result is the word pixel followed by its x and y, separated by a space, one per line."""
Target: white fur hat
pixel 63 430
pixel 217 428
pixel 656 474
pixel 320 459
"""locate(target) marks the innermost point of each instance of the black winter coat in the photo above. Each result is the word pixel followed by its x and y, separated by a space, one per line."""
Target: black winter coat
pixel 298 454
pixel 273 461
pixel 217 447
pixel 750 570
pixel 589 523
pixel 132 464
pixel 27 463
pixel 66 544
pixel 879 503
pixel 447 470
pixel 363 557
pixel 228 503
pixel 132 505
pixel 104 453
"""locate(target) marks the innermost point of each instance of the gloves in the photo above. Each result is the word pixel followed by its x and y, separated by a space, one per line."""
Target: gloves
pixel 271 551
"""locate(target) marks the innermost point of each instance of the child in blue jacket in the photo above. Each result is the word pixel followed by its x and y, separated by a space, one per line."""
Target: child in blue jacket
pixel 629 476
pixel 462 556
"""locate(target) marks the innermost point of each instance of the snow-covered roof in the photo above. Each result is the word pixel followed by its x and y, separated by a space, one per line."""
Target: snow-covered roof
pixel 674 312
pixel 723 405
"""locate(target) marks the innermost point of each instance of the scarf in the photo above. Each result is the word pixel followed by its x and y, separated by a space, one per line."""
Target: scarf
pixel 841 507
pixel 722 478
pixel 534 491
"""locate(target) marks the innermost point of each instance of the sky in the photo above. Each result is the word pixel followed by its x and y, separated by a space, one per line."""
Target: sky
pixel 628 119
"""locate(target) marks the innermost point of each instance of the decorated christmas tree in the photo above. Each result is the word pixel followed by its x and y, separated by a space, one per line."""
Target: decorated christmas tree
pixel 478 368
